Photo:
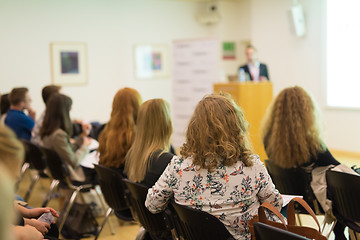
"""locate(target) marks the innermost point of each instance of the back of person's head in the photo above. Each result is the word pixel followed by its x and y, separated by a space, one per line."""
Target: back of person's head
pixel 153 132
pixel 5 103
pixel 217 134
pixel 57 115
pixel 6 203
pixel 48 91
pixel 290 128
pixel 116 138
pixel 11 151
pixel 17 95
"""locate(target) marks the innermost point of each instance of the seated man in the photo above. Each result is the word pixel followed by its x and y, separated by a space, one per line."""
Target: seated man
pixel 16 119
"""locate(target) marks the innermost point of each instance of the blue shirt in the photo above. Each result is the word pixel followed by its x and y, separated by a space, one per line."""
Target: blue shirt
pixel 20 123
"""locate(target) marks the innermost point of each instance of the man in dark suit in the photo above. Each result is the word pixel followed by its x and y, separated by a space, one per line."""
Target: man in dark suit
pixel 255 70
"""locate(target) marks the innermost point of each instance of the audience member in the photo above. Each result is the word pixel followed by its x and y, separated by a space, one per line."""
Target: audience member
pixel 4 107
pixel 149 154
pixel 11 156
pixel 292 138
pixel 6 204
pixel 56 131
pixel 16 119
pixel 118 135
pixel 217 172
pixel 46 93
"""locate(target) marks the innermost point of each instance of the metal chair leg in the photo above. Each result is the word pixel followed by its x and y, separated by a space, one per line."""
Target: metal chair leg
pixel 332 225
pixel 103 204
pixel 68 208
pixel 109 211
pixel 53 185
pixel 298 219
pixel 33 182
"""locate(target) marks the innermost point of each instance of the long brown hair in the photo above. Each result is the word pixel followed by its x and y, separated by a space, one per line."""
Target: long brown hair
pixel 290 128
pixel 118 134
pixel 217 134
pixel 153 132
pixel 57 115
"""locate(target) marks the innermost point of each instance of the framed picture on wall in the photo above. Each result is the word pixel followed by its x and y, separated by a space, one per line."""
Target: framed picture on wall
pixel 68 63
pixel 151 61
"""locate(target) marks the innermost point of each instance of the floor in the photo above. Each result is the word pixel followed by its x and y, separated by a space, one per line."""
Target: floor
pixel 128 231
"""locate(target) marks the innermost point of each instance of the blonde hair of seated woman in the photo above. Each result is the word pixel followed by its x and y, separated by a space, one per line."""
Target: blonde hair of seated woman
pixel 6 203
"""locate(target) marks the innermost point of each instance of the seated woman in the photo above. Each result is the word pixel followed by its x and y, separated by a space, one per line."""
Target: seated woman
pixel 118 135
pixel 56 131
pixel 27 227
pixel 149 155
pixel 217 172
pixel 292 135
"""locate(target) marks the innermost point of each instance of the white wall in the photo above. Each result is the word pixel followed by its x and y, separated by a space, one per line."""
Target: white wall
pixel 110 28
pixel 301 61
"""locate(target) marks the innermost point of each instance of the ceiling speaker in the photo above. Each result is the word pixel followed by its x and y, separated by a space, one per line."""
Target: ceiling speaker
pixel 208 13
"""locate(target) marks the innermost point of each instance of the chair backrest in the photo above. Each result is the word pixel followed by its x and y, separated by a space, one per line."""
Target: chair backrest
pixel 292 181
pixel 267 232
pixel 198 225
pixel 112 187
pixel 57 166
pixel 34 156
pixel 153 223
pixel 344 191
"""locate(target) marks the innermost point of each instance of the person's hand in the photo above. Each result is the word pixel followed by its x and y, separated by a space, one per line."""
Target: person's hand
pixel 87 141
pixel 27 233
pixel 32 113
pixel 36 212
pixel 263 79
pixel 40 226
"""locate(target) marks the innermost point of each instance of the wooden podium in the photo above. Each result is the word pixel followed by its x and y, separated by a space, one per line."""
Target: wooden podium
pixel 253 98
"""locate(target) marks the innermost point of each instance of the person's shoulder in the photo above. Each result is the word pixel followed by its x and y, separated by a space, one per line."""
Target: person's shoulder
pixel 178 161
pixel 59 133
pixel 255 159
pixel 167 155
pixel 243 66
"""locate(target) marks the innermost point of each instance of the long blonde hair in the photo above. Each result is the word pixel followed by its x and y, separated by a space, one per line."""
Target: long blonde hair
pixel 11 151
pixel 118 134
pixel 217 134
pixel 7 203
pixel 290 128
pixel 11 158
pixel 153 132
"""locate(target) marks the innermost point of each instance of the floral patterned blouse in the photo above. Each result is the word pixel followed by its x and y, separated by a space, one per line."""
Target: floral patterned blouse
pixel 232 194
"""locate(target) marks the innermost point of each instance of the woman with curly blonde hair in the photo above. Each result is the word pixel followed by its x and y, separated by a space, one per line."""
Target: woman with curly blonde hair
pixel 292 136
pixel 118 135
pixel 291 131
pixel 217 171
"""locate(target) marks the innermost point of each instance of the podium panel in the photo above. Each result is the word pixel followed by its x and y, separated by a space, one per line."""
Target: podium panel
pixel 253 98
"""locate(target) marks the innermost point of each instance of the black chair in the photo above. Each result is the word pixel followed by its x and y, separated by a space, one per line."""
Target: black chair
pixel 343 190
pixel 199 225
pixel 294 181
pixel 61 175
pixel 267 232
pixel 113 190
pixel 34 159
pixel 98 130
pixel 155 224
